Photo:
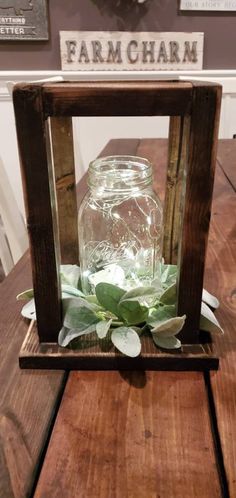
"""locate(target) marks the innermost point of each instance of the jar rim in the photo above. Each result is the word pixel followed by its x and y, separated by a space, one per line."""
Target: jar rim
pixel 138 171
pixel 120 157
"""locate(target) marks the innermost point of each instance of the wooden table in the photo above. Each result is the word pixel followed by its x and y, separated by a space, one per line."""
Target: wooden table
pixel 125 434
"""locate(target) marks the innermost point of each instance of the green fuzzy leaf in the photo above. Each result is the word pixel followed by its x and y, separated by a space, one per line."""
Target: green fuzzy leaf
pixel 93 299
pixel 161 313
pixel 26 295
pixel 132 312
pixel 209 322
pixel 144 295
pixel 79 301
pixel 102 328
pixel 165 323
pixel 169 295
pixel 67 335
pixel 209 299
pixel 167 342
pixel 156 283
pixel 28 310
pixel 169 327
pixel 70 275
pixel 168 275
pixel 79 318
pixel 127 341
pixel 68 291
pixel 78 314
pixel 109 295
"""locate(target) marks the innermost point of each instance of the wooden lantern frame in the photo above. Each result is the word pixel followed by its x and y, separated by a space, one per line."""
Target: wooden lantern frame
pixel 194 109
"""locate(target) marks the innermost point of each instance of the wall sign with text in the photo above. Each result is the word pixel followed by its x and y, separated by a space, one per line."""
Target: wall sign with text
pixel 116 50
pixel 208 5
pixel 23 20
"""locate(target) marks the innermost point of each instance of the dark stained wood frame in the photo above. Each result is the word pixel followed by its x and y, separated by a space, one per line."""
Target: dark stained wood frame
pixel 194 108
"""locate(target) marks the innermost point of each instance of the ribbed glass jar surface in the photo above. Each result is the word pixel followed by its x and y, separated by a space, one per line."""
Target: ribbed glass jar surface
pixel 120 225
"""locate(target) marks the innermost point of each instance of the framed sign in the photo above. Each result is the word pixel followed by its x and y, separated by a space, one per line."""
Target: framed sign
pixel 208 5
pixel 23 20
pixel 121 50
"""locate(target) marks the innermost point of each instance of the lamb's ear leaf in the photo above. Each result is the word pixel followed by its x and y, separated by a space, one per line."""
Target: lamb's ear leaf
pixel 78 314
pixel 161 313
pixel 26 295
pixel 71 291
pixel 70 275
pixel 92 298
pixel 169 328
pixel 132 312
pixel 127 341
pixel 168 275
pixel 109 295
pixel 146 296
pixel 209 322
pixel 167 342
pixel 209 299
pixel 164 322
pixel 28 310
pixel 102 328
pixel 77 302
pixel 169 295
pixel 67 335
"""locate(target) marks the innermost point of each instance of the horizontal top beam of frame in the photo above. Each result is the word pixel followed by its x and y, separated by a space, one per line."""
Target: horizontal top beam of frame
pixel 117 98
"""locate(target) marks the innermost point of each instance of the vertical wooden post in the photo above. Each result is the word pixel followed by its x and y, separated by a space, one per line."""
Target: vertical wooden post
pixel 63 159
pixel 175 186
pixel 31 132
pixel 198 197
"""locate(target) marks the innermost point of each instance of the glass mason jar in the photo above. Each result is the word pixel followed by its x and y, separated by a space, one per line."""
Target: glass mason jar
pixel 120 225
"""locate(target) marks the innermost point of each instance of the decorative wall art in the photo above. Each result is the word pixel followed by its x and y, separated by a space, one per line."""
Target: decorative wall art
pixel 215 5
pixel 23 20
pixel 116 50
pixel 128 13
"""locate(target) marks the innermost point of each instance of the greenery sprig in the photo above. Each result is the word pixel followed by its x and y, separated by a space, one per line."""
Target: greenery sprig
pixel 123 316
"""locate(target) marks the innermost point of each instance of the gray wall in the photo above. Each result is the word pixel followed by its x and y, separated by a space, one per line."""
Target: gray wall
pixel 154 15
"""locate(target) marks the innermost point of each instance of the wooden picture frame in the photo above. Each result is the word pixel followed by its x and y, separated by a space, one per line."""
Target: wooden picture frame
pixel 22 20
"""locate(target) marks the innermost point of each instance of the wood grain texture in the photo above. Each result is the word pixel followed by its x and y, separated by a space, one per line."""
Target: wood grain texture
pixel 227 159
pixel 175 187
pixel 220 279
pixel 117 98
pixel 96 355
pixel 36 177
pixel 27 399
pixel 63 160
pixel 131 435
pixel 197 207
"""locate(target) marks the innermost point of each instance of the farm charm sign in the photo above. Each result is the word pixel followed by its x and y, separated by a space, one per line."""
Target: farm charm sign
pixel 23 20
pixel 89 50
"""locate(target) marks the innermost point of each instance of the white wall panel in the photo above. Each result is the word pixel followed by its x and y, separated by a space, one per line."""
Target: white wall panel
pixel 92 134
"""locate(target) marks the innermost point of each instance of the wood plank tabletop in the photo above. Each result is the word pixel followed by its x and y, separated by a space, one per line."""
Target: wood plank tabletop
pixel 121 434
pixel 130 434
pixel 28 400
pixel 220 276
pixel 140 435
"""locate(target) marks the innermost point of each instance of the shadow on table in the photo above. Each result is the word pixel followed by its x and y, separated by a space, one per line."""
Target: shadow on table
pixel 135 378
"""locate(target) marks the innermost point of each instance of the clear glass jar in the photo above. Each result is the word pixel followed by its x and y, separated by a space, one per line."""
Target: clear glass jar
pixel 120 225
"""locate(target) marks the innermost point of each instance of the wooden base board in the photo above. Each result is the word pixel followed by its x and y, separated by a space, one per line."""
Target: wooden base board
pixel 95 354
